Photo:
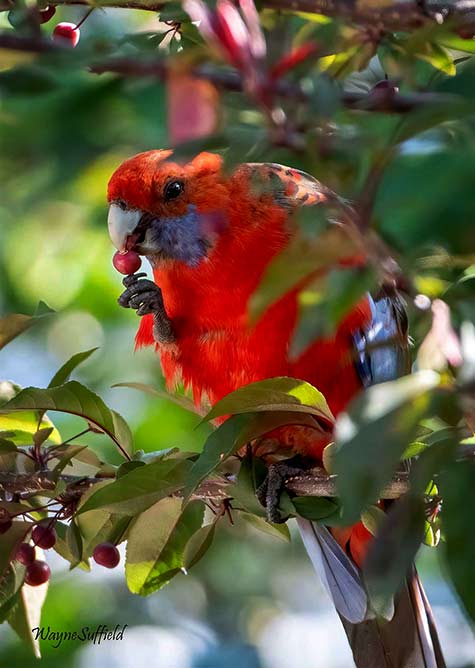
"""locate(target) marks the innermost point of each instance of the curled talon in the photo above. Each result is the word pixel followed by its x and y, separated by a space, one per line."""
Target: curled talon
pixel 268 494
pixel 145 297
pixel 129 280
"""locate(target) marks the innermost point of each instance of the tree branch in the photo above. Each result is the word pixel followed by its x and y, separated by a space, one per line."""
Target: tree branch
pixel 315 482
pixel 227 79
pixel 399 15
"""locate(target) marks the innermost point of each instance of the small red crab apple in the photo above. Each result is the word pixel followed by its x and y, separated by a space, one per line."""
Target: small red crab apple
pixel 5 520
pixel 46 14
pixel 37 573
pixel 127 263
pixel 25 554
pixel 44 536
pixel 106 554
pixel 67 34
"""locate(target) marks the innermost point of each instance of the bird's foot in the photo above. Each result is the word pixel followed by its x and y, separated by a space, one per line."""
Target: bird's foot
pixel 270 491
pixel 145 297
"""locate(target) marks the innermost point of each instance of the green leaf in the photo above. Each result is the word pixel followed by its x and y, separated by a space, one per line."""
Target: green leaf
pixel 325 303
pixel 431 461
pixel 10 586
pixel 22 426
pixel 63 373
pixel 15 324
pixel 457 43
pixel 7 446
pixel 183 402
pixel 305 256
pixel 373 434
pixel 10 542
pixel 76 399
pixel 157 541
pixel 372 519
pixel 98 526
pixel 231 436
pixel 274 394
pixel 252 473
pixel 280 531
pixel 65 456
pixel 316 508
pixel 69 544
pixel 393 550
pixel 198 545
pixel 458 520
pixel 137 490
pixel 26 614
pixel 414 449
pixel 438 57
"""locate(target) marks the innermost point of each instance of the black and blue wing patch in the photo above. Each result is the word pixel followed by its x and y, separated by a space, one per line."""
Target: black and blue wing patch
pixel 376 362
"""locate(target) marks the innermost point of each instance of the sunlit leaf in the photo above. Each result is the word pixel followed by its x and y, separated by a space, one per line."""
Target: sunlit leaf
pixel 22 425
pixel 136 491
pixel 274 394
pixel 157 541
pixel 74 398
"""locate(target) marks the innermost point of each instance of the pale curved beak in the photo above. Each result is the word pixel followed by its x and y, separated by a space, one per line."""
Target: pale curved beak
pixel 122 224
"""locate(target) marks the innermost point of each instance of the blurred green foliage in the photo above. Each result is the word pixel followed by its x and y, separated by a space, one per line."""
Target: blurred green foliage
pixel 64 129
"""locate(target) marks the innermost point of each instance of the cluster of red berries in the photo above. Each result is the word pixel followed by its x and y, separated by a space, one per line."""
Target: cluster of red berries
pixel 44 535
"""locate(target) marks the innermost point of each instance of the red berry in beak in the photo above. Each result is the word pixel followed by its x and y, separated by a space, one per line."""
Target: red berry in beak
pixel 127 263
pixel 67 34
pixel 37 573
pixel 106 554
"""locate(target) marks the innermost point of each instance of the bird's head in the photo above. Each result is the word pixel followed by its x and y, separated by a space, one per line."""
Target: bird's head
pixel 167 210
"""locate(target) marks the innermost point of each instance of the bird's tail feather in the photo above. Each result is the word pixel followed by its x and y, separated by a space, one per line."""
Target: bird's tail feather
pixel 408 640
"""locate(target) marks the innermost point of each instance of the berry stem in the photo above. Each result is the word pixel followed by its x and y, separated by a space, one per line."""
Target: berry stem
pixel 86 16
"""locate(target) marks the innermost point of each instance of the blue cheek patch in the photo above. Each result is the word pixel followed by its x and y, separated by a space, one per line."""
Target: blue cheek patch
pixel 182 238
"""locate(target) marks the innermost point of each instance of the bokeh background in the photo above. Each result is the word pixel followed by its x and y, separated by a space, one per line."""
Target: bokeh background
pixel 254 601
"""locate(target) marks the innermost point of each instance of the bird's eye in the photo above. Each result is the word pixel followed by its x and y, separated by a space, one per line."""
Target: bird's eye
pixel 121 204
pixel 173 189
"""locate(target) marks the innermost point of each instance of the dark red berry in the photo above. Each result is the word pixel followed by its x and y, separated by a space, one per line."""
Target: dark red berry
pixel 46 14
pixel 386 84
pixel 67 34
pixel 44 536
pixel 127 263
pixel 5 526
pixel 25 554
pixel 106 554
pixel 37 573
pixel 4 515
pixel 465 32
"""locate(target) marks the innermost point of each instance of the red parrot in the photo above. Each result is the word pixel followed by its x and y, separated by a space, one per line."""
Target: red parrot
pixel 209 236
